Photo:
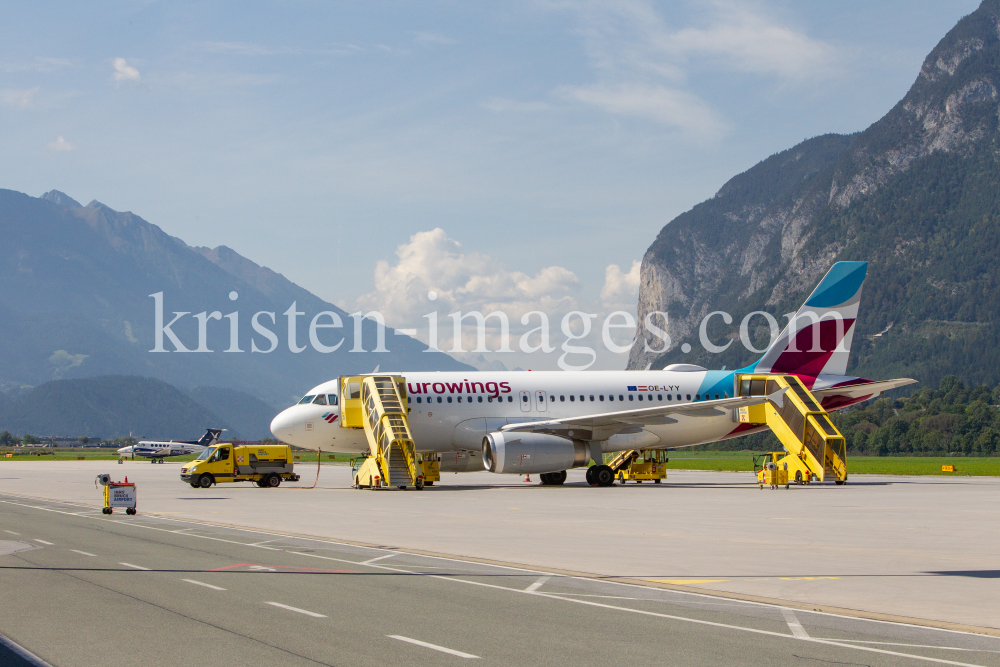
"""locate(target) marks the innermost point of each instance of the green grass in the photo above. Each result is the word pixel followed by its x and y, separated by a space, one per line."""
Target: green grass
pixel 110 454
pixel 876 465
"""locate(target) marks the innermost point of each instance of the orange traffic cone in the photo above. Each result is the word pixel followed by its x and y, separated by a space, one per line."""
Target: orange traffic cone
pixel 527 478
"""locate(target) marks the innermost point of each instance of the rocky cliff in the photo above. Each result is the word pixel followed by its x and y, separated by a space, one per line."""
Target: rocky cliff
pixel 915 194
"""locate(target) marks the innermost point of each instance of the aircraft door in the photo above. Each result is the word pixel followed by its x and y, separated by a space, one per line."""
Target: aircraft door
pixel 540 400
pixel 525 399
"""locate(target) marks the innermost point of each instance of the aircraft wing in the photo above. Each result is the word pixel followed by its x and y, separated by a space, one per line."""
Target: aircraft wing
pixel 606 424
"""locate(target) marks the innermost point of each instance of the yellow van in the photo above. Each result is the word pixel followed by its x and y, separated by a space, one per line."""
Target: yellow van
pixel 264 465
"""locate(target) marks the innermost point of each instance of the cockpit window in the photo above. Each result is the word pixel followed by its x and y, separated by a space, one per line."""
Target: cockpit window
pixel 208 451
pixel 320 400
pixel 307 399
pixel 333 399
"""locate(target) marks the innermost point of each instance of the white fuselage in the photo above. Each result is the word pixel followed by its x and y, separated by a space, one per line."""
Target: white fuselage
pixel 452 412
pixel 157 450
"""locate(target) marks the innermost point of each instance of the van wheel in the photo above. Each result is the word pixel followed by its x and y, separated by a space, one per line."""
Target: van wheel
pixel 205 481
pixel 272 480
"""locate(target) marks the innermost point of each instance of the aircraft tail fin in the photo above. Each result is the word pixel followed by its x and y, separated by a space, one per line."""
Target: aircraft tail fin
pixel 210 437
pixel 818 339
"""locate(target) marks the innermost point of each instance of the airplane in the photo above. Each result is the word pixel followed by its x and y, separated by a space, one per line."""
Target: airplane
pixel 157 450
pixel 545 422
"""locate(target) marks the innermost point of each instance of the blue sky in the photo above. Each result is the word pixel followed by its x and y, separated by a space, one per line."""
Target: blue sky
pixel 547 140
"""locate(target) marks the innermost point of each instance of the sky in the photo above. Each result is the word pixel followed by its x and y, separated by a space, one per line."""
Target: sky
pixel 515 156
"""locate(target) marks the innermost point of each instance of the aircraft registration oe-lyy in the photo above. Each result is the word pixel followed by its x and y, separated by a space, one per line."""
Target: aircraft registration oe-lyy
pixel 546 422
pixel 157 450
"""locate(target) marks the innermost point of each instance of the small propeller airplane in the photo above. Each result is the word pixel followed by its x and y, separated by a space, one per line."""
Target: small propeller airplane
pixel 157 450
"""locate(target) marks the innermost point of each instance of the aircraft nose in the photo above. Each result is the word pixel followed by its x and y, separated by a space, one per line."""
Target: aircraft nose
pixel 283 426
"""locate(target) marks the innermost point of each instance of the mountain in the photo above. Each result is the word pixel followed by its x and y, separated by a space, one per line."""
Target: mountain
pixel 249 415
pixel 916 194
pixel 75 301
pixel 109 407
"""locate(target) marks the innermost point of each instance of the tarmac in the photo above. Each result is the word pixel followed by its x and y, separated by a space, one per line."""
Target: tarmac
pixel 711 563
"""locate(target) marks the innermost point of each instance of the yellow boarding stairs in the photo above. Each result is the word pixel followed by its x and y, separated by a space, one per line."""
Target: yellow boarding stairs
pixel 815 448
pixel 378 405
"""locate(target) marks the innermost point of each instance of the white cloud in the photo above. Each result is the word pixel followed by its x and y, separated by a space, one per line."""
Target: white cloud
pixel 677 108
pixel 124 71
pixel 640 63
pixel 620 287
pixel 472 281
pixel 60 144
pixel 21 99
pixel 428 38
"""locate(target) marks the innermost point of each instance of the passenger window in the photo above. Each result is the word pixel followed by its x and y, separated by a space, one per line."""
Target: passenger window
pixel 510 399
pixel 307 399
pixel 449 399
pixel 581 398
pixel 320 400
pixel 572 398
pixel 418 399
pixel 697 397
pixel 611 397
pixel 620 397
pixel 630 397
pixel 601 397
pixel 689 397
pixel 481 399
pixel 562 398
pixel 716 397
pixel 640 397
pixel 459 399
pixel 649 396
pixel 332 399
pixel 659 397
pixel 591 397
pixel 541 398
pixel 439 399
pixel 670 397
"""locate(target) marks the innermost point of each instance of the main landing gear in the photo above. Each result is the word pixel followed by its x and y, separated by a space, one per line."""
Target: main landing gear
pixel 600 475
pixel 554 478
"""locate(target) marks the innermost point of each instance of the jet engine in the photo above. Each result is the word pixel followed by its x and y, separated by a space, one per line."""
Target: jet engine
pixel 523 453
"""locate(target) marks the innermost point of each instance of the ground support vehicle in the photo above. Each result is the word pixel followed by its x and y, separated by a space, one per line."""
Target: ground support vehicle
pixel 119 494
pixel 264 465
pixel 645 465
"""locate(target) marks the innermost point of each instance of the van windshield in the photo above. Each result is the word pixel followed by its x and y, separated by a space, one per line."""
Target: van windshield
pixel 208 451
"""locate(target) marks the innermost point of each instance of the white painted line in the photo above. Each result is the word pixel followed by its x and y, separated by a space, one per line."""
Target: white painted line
pixel 450 651
pixel 137 567
pixel 43 542
pixel 538 584
pixel 941 648
pixel 11 532
pixel 83 553
pixel 793 624
pixel 202 583
pixel 257 544
pixel 372 560
pixel 301 611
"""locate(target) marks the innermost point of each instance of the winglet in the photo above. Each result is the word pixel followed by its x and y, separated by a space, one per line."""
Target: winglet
pixel 778 397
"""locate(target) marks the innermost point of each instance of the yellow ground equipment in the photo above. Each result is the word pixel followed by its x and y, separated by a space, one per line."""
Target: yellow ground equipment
pixel 117 494
pixel 378 405
pixel 815 447
pixel 771 469
pixel 264 465
pixel 647 464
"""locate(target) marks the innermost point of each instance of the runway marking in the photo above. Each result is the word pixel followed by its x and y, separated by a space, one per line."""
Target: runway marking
pixel 538 584
pixel 793 624
pixel 11 532
pixel 372 560
pixel 44 542
pixel 551 595
pixel 257 544
pixel 301 611
pixel 83 553
pixel 443 649
pixel 942 648
pixel 202 583
pixel 137 567
pixel 688 582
